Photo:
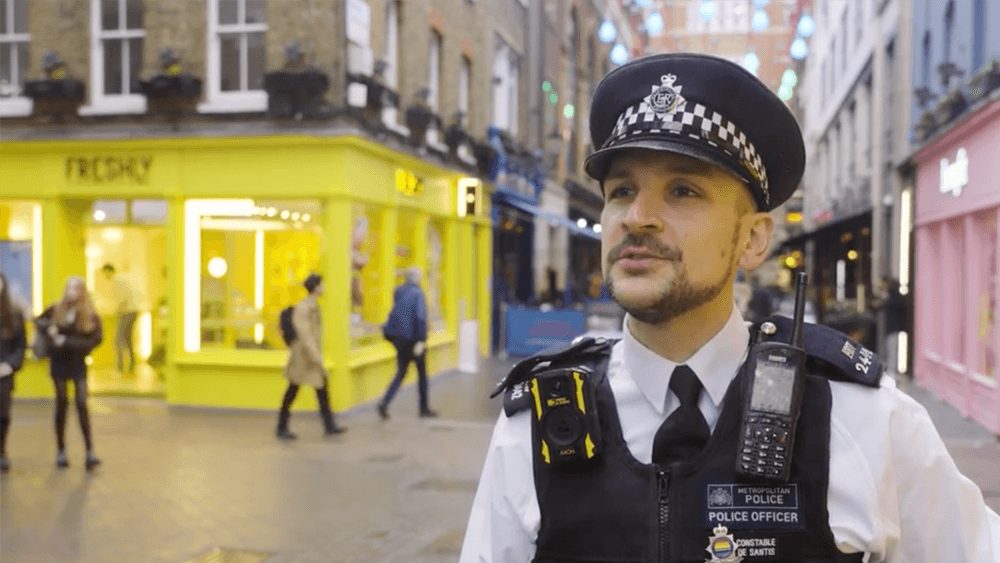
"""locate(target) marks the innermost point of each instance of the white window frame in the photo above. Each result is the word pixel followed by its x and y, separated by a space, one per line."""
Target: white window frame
pixel 106 104
pixel 506 78
pixel 434 71
pixel 18 105
pixel 217 101
pixel 464 79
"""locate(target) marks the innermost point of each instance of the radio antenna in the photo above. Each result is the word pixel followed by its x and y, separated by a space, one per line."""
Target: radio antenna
pixel 800 305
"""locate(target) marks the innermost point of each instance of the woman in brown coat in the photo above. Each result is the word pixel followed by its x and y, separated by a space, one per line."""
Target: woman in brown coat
pixel 305 360
pixel 73 329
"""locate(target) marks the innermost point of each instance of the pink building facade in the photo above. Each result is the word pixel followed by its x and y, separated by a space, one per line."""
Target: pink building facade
pixel 957 279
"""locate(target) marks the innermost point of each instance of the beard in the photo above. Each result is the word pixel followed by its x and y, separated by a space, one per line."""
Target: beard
pixel 678 298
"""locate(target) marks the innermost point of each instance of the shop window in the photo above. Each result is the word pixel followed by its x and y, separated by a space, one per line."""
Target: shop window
pixel 237 56
pixel 367 280
pixel 109 211
pixel 116 56
pixel 21 252
pixel 244 261
pixel 435 277
pixel 985 245
pixel 148 211
pixel 14 57
pixel 953 246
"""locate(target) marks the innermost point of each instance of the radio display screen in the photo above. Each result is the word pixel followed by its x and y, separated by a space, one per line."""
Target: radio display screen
pixel 773 385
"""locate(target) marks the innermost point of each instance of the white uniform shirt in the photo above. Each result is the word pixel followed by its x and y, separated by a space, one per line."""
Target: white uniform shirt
pixel 894 491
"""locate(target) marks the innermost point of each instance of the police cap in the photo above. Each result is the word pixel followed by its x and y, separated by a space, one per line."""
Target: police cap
pixel 703 107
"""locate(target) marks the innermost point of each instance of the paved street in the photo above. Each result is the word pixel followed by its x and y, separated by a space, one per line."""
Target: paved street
pixel 178 483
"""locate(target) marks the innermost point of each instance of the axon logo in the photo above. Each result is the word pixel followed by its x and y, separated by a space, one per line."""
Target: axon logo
pixel 955 175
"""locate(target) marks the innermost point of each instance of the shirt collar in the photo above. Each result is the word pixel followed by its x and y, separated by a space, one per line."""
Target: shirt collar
pixel 715 363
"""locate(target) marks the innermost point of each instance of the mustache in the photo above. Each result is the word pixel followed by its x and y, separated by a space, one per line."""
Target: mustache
pixel 648 244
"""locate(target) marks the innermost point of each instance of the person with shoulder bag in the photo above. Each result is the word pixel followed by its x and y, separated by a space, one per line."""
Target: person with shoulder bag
pixel 305 360
pixel 73 329
pixel 12 346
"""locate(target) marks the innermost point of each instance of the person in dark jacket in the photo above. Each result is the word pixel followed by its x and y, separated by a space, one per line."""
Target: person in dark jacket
pixel 74 330
pixel 892 304
pixel 12 345
pixel 406 328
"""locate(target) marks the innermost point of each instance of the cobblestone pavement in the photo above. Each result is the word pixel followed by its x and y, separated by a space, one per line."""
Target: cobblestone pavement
pixel 177 483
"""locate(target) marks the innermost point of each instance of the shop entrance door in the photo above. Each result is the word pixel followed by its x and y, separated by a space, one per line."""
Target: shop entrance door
pixel 126 274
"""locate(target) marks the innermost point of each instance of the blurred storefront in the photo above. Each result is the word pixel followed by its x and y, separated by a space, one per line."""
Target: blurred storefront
pixel 956 274
pixel 216 236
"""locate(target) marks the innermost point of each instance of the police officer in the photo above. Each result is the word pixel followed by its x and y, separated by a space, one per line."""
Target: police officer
pixel 693 153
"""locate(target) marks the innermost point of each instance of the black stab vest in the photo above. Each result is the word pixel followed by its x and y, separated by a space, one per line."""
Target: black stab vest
pixel 611 513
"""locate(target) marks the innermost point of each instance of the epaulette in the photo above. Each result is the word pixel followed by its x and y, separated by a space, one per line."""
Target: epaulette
pixel 517 396
pixel 831 353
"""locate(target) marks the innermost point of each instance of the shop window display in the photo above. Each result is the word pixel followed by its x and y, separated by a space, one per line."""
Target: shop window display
pixel 252 267
pixel 20 224
pixel 366 310
pixel 435 277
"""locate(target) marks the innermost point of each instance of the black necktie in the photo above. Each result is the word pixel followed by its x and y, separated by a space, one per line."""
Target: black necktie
pixel 684 432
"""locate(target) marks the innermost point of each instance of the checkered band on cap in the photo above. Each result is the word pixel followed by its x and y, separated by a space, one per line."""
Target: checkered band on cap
pixel 695 121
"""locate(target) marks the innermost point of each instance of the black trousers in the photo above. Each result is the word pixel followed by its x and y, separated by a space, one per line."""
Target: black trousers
pixel 6 389
pixel 62 405
pixel 123 340
pixel 324 406
pixel 404 355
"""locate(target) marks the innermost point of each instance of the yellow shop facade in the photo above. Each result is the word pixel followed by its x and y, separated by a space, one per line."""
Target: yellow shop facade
pixel 216 236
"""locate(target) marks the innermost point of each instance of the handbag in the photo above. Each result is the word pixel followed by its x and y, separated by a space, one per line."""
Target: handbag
pixel 40 345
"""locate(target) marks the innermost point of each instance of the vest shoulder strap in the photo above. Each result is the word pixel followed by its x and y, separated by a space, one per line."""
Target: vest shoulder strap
pixel 584 351
pixel 831 353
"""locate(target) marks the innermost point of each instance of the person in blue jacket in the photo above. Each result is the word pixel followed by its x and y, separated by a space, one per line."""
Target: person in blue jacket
pixel 406 329
pixel 12 345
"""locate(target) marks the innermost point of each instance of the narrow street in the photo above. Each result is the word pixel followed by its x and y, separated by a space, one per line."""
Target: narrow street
pixel 177 484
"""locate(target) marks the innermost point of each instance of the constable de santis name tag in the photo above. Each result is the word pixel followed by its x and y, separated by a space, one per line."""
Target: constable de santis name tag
pixel 750 507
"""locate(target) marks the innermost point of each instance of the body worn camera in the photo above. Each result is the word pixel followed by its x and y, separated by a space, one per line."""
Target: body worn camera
pixel 772 401
pixel 566 414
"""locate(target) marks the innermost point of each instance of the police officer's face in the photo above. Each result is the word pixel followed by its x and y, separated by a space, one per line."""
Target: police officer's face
pixel 673 233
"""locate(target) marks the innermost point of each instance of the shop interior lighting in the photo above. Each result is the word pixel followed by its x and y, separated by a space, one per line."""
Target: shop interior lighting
pixel 546 86
pixel 806 26
pixel 568 111
pixel 619 55
pixel 751 62
pixel 761 3
pixel 285 214
pixel 852 254
pixel 581 222
pixel 799 49
pixel 905 226
pixel 194 209
pixel 654 23
pixel 217 267
pixel 642 3
pixel 271 212
pixel 553 98
pixel 36 259
pixel 606 33
pixel 707 10
pixel 295 215
pixel 100 215
pixel 760 20
pixel 306 217
pixel 901 347
pixel 597 227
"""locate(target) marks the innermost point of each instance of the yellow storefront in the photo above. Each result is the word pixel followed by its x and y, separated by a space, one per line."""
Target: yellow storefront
pixel 216 236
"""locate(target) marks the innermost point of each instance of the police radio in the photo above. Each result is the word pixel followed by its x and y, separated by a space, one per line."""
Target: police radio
pixel 772 401
pixel 569 431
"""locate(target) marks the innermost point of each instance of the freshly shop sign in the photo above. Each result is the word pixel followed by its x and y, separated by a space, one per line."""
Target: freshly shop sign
pixel 108 169
pixel 955 175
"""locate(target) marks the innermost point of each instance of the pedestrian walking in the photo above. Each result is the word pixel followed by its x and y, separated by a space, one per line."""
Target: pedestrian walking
pixel 125 296
pixel 305 361
pixel 892 305
pixel 72 329
pixel 12 345
pixel 406 329
pixel 685 436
